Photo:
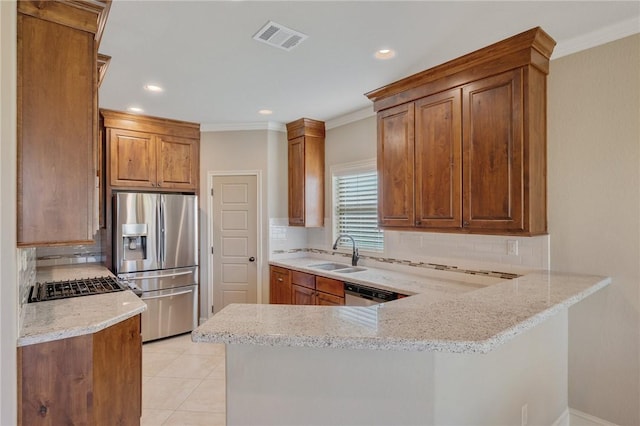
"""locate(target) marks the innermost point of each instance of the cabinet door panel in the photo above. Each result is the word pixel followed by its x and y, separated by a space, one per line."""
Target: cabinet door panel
pixel 326 299
pixel 296 181
pixel 329 285
pixel 177 162
pixel 395 166
pixel 121 342
pixel 493 153
pixel 302 295
pixel 133 159
pixel 55 378
pixel 438 144
pixel 303 279
pixel 280 289
pixel 56 173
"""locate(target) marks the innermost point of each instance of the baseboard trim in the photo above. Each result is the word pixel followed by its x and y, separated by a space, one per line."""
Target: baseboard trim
pixel 564 419
pixel 578 418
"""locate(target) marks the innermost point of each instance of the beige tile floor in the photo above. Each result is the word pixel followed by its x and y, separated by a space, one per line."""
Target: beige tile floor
pixel 183 383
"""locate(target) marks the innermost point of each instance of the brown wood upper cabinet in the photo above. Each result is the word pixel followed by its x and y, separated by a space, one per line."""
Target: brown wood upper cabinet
pixel 462 146
pixel 57 120
pixel 151 153
pixel 306 172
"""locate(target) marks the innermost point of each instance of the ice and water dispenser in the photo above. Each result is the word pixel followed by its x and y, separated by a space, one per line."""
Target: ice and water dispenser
pixel 134 241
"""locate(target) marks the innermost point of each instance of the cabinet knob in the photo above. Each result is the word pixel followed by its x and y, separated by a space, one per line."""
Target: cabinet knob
pixel 465 223
pixel 418 222
pixel 280 280
pixel 252 259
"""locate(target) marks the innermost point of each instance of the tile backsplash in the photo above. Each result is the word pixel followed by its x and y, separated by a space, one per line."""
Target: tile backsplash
pixel 68 255
pixel 26 269
pixel 508 254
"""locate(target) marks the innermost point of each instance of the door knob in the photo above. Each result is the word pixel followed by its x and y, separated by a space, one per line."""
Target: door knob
pixel 252 259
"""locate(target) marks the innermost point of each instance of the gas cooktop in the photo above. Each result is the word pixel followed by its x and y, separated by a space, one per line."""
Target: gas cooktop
pixel 54 290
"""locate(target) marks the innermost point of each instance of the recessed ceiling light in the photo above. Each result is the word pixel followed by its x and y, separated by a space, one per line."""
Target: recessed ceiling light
pixel 153 88
pixel 265 112
pixel 385 54
pixel 135 109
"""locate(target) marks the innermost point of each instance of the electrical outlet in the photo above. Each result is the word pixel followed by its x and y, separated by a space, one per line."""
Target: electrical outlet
pixel 512 247
pixel 525 415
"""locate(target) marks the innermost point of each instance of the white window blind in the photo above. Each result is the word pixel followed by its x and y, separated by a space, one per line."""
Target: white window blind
pixel 356 210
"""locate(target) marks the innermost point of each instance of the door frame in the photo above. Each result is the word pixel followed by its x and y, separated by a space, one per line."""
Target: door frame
pixel 259 236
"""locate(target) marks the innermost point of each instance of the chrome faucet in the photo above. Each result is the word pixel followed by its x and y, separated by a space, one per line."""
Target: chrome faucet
pixel 355 256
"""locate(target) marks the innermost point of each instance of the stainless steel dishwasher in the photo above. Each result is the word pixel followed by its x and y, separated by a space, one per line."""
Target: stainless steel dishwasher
pixel 361 295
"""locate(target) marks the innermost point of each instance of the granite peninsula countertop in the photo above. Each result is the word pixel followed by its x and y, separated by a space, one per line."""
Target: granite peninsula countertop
pixel 76 316
pixel 444 315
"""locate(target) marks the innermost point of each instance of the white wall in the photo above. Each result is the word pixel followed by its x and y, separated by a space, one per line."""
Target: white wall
pixel 8 285
pixel 238 151
pixel 594 219
pixel 333 386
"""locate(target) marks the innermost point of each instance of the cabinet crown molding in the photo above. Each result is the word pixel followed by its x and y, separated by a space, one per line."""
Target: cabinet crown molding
pixel 305 127
pixel 145 123
pixel 84 15
pixel 532 47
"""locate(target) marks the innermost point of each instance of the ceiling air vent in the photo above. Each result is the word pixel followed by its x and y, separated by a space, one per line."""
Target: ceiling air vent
pixel 279 36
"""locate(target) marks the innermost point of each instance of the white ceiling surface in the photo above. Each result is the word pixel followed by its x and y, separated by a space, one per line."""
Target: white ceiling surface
pixel 214 73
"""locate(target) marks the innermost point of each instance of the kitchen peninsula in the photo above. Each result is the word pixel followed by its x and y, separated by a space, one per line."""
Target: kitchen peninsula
pixel 418 360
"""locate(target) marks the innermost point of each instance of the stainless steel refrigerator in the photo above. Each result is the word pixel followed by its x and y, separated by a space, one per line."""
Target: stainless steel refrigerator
pixel 155 247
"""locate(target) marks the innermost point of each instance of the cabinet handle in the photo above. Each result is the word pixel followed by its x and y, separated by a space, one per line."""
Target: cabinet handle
pixel 465 223
pixel 280 280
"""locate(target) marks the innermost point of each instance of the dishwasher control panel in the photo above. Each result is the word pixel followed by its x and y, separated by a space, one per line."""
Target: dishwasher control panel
pixel 370 293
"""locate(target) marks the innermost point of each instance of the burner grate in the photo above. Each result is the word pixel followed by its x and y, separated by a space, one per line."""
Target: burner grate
pixel 54 290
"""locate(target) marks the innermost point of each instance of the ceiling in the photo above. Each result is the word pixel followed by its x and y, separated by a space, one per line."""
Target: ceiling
pixel 202 52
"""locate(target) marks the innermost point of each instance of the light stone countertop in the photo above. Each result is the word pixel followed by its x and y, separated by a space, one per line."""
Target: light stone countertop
pixel 443 315
pixel 76 316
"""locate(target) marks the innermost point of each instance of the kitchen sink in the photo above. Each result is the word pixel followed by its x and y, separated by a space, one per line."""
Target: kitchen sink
pixel 350 270
pixel 329 266
pixel 341 268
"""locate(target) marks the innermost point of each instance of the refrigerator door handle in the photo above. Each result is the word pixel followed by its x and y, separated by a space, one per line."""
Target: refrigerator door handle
pixel 163 237
pixel 167 295
pixel 159 241
pixel 150 277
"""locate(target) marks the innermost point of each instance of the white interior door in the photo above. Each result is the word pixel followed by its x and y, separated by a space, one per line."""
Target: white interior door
pixel 235 238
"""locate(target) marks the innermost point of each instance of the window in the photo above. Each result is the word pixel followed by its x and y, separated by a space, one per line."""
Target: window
pixel 355 205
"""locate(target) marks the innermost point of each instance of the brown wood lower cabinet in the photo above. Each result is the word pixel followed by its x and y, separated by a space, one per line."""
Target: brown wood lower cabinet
pixel 95 379
pixel 279 286
pixel 304 289
pixel 328 299
pixel 302 295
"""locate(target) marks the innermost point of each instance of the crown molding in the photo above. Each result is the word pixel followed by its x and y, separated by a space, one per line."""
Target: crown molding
pixel 596 38
pixel 234 127
pixel 281 127
pixel 350 117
